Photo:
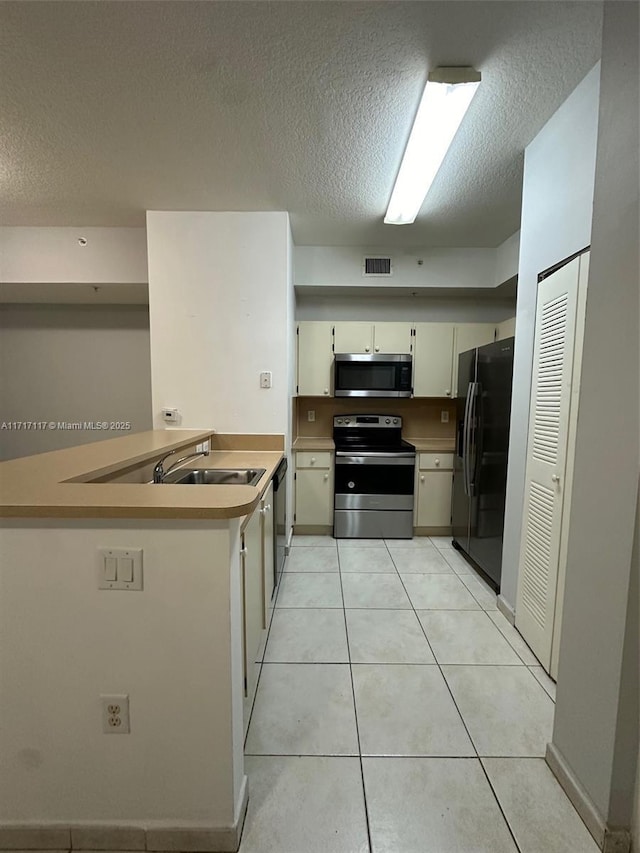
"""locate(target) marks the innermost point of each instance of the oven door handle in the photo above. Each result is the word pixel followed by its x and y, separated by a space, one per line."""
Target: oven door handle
pixel 376 459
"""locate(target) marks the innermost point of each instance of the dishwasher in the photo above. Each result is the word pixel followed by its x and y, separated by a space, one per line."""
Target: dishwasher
pixel 279 520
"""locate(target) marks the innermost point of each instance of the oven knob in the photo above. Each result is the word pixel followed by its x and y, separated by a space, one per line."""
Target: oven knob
pixel 388 421
pixel 351 484
pixel 395 420
pixel 339 420
pixel 346 421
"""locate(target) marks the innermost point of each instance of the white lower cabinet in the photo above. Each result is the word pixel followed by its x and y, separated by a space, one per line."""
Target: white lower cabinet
pixel 314 489
pixel 266 514
pixel 256 565
pixel 433 495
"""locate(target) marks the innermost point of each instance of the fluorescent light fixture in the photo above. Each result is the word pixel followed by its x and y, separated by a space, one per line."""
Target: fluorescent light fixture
pixel 446 98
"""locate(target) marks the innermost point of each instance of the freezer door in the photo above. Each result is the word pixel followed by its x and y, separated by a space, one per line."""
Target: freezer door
pixel 460 502
pixel 492 415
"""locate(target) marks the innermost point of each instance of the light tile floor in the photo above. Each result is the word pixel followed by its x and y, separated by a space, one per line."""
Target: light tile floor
pixel 397 711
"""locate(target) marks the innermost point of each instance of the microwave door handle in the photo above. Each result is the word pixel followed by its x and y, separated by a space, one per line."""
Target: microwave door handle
pixel 465 439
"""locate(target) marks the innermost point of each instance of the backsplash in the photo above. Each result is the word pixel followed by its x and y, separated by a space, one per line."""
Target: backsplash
pixel 420 417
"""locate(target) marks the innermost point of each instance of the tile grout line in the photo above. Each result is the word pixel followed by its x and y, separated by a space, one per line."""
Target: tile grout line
pixel 502 812
pixel 355 712
pixel 464 723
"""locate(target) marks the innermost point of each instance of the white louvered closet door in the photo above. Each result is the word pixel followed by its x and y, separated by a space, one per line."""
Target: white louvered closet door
pixel 546 458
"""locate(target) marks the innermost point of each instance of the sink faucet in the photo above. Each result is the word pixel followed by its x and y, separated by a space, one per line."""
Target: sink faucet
pixel 159 473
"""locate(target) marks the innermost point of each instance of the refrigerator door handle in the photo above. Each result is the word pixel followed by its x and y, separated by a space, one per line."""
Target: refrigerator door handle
pixel 466 438
pixel 475 387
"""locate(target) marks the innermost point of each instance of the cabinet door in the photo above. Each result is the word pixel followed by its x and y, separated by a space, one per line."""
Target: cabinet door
pixel 353 337
pixel 434 499
pixel 266 513
pixel 506 329
pixel 467 336
pixel 392 337
pixel 315 358
pixel 253 593
pixel 433 360
pixel 314 496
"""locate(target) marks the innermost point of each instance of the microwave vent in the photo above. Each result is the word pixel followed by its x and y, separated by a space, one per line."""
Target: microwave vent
pixel 377 266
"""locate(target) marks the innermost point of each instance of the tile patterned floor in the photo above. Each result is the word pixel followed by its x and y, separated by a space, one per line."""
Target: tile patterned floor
pixel 397 711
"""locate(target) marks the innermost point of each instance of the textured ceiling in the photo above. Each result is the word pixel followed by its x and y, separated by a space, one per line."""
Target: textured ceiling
pixel 110 109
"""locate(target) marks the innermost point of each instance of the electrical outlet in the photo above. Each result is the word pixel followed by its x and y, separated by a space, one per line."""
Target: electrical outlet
pixel 203 447
pixel 265 379
pixel 311 416
pixel 444 417
pixel 115 714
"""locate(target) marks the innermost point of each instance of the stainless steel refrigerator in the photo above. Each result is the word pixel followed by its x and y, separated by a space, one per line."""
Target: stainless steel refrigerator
pixel 483 410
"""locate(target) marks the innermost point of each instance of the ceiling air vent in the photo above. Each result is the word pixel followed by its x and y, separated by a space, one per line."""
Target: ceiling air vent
pixel 377 266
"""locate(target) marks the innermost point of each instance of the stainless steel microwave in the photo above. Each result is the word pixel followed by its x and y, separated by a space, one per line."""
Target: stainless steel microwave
pixel 376 375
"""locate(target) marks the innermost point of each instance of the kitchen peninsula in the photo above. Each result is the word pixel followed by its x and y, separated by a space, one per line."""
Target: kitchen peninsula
pixel 174 648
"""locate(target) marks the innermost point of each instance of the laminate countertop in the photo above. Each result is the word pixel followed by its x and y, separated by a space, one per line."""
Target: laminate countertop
pixel 111 479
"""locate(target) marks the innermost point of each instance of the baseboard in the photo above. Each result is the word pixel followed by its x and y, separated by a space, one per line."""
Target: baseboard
pixel 609 839
pixel 152 836
pixel 432 531
pixel 313 530
pixel 506 609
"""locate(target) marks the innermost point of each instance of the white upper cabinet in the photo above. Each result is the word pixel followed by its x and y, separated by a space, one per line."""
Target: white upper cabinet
pixel 506 329
pixel 433 360
pixel 468 336
pixel 373 338
pixel 392 337
pixel 353 337
pixel 315 358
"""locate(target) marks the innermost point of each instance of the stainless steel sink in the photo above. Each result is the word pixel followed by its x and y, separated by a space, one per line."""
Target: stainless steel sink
pixel 215 476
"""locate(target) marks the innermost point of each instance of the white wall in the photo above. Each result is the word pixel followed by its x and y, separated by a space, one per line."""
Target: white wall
pixel 220 311
pixel 596 721
pixel 51 255
pixel 63 643
pixel 507 258
pixel 559 170
pixel 72 364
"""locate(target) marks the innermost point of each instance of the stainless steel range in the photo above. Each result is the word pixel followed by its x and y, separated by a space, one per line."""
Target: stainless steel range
pixel 374 478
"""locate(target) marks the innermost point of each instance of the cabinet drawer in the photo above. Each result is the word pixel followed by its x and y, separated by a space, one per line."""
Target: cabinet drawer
pixel 436 461
pixel 318 459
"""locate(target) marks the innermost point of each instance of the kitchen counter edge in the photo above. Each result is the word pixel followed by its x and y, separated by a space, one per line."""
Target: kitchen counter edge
pixel 57 484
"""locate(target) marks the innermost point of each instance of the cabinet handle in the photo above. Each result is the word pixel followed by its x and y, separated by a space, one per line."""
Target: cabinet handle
pixel 377 349
pixel 422 478
pixel 437 462
pixel 366 349
pixel 448 392
pixel 555 478
pixel 265 509
pixel 243 552
pixel 326 476
pixel 313 459
pixel 326 390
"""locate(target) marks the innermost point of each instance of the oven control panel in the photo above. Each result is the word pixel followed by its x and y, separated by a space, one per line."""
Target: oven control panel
pixel 377 421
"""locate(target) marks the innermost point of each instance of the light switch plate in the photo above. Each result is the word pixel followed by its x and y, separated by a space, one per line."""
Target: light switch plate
pixel 444 417
pixel 265 379
pixel 128 568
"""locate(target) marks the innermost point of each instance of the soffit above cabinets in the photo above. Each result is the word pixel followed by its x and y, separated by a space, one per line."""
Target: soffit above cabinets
pixel 505 292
